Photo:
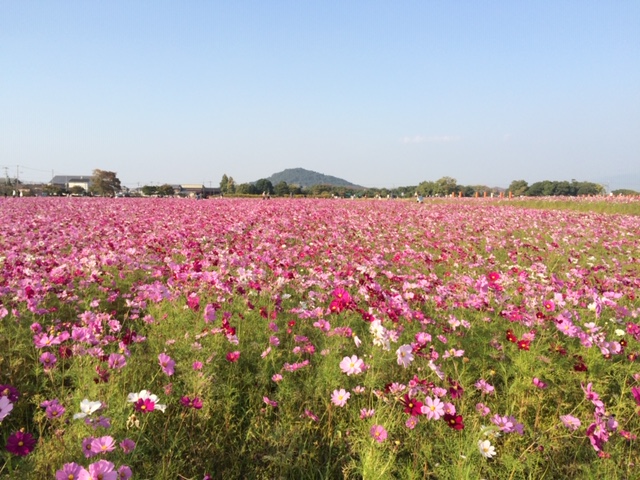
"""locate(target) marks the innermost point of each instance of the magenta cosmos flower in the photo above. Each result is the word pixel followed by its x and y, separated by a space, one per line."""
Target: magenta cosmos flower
pixel 145 401
pixel 20 443
pixel 233 356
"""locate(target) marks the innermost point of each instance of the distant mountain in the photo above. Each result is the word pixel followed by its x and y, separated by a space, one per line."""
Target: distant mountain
pixel 308 178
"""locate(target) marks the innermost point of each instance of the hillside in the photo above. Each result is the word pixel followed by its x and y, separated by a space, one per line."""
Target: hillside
pixel 307 178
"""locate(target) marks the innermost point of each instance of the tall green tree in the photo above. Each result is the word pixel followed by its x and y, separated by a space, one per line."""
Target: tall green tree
pixel 149 190
pixel 224 183
pixel 104 183
pixel 231 185
pixel 264 186
pixel 166 190
pixel 518 187
pixel 281 189
pixel 446 186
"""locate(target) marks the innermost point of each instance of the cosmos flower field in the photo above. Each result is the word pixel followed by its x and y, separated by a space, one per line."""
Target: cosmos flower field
pixel 301 338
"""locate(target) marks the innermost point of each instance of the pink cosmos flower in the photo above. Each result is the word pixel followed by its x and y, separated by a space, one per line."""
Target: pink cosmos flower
pixel 571 422
pixel 339 397
pixel 270 402
pixel 116 361
pixel 48 360
pixel 483 409
pixel 166 363
pixel 539 383
pixel 197 366
pixel 209 313
pixel 452 352
pixel 53 409
pixel 501 422
pixel 405 355
pixel 352 365
pixel 485 387
pixel 127 445
pixel 367 413
pixel 411 422
pixel 87 449
pixel 103 444
pixel 591 395
pixel 378 433
pixel 233 356
pixel 124 472
pixel 101 470
pixel 5 407
pixel 433 408
pixel 311 415
pixel 449 408
pixel 71 471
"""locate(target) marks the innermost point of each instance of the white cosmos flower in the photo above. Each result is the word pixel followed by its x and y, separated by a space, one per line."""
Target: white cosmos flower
pixel 486 449
pixel 87 407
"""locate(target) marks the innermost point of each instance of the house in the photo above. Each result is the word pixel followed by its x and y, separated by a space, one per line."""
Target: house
pixel 69 181
pixel 195 189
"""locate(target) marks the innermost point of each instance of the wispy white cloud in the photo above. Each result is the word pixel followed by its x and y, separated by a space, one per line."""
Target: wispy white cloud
pixel 434 139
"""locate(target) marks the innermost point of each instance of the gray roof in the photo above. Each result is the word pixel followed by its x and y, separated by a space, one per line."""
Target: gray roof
pixel 65 179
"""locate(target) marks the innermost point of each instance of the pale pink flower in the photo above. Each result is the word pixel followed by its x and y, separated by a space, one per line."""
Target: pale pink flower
pixel 571 422
pixel 485 387
pixel 5 407
pixel 405 355
pixel 340 397
pixel 103 444
pixel 166 363
pixel 433 408
pixel 367 413
pixel 352 365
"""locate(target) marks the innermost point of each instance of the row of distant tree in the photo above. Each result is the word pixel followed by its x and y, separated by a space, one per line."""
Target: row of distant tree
pixel 443 187
pixel 107 183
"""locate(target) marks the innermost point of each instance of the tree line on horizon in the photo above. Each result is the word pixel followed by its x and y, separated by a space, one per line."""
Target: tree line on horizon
pixel 443 187
pixel 107 183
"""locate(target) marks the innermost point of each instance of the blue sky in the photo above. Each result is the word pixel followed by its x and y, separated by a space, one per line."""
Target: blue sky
pixel 380 93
